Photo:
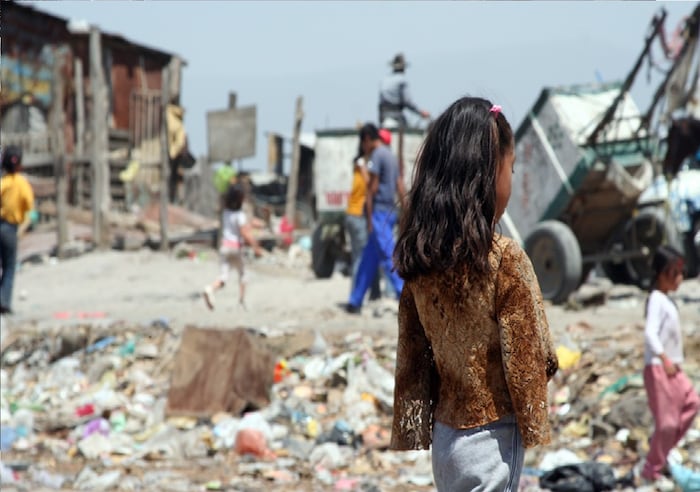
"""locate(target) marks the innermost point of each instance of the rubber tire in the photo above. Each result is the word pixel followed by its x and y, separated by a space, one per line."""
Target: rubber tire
pixel 692 256
pixel 322 252
pixel 639 269
pixel 556 257
pixel 616 271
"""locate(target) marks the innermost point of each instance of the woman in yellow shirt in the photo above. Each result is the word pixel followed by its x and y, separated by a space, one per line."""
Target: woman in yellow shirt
pixel 16 200
pixel 356 221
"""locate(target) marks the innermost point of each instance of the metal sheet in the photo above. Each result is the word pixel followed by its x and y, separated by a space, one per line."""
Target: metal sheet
pixel 333 163
pixel 231 133
pixel 552 158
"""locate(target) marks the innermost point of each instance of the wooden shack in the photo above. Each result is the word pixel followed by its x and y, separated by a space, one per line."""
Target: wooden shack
pixel 83 104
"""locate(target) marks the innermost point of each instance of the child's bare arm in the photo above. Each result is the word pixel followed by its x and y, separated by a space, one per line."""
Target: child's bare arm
pixel 247 234
pixel 258 223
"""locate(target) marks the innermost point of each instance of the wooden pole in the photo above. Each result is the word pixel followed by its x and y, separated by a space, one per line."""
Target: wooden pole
pixel 100 143
pixel 293 181
pixel 79 131
pixel 58 149
pixel 165 159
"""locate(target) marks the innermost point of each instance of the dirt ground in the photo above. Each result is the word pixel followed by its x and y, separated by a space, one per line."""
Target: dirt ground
pixel 144 286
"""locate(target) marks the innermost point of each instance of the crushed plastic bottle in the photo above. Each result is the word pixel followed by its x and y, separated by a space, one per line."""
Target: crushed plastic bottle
pixel 47 479
pixel 100 344
pixel 7 475
pixel 24 422
pixel 341 433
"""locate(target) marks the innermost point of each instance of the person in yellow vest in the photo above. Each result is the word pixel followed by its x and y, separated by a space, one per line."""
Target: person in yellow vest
pixel 16 201
pixel 356 220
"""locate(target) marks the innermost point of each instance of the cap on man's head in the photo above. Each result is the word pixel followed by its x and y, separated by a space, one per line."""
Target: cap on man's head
pixel 385 136
pixel 399 62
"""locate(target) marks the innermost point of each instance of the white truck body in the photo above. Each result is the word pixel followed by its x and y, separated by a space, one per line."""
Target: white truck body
pixel 335 151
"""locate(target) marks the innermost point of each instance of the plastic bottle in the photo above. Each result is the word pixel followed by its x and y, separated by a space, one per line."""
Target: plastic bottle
pixel 24 422
pixel 47 479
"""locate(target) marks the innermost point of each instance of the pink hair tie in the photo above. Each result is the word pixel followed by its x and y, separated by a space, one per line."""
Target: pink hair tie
pixel 495 109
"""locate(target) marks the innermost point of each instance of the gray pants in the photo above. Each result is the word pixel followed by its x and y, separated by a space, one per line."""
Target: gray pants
pixel 485 459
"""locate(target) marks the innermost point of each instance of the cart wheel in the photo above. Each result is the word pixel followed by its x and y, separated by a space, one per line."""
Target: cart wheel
pixel 649 229
pixel 616 271
pixel 693 248
pixel 556 258
pixel 322 252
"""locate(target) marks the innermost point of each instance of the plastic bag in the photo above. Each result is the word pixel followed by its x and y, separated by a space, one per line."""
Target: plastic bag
pixel 579 477
pixel 686 478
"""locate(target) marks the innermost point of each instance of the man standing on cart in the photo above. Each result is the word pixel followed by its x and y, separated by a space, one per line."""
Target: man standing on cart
pixel 394 97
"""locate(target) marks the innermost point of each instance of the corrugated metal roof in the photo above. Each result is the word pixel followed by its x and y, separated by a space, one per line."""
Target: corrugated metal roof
pixel 112 38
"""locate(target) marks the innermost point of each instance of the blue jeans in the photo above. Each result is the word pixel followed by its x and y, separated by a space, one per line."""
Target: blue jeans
pixel 356 225
pixel 8 260
pixel 378 251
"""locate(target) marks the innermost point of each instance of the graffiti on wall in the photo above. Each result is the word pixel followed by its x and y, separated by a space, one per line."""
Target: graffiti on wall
pixel 27 75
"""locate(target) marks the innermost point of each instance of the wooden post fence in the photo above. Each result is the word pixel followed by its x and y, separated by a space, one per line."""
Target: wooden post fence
pixel 100 142
pixel 79 154
pixel 165 160
pixel 58 149
pixel 293 180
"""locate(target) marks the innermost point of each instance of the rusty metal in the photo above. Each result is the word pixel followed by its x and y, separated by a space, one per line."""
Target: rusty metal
pixel 656 24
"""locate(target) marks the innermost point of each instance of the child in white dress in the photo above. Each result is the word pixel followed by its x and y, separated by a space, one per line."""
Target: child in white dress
pixel 236 231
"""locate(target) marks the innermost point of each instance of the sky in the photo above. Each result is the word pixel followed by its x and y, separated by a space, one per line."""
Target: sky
pixel 335 53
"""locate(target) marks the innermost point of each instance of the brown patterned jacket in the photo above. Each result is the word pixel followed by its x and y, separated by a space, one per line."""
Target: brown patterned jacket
pixel 470 353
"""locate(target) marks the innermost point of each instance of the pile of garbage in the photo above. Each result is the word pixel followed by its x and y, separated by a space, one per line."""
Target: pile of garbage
pixel 88 408
pixel 119 407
